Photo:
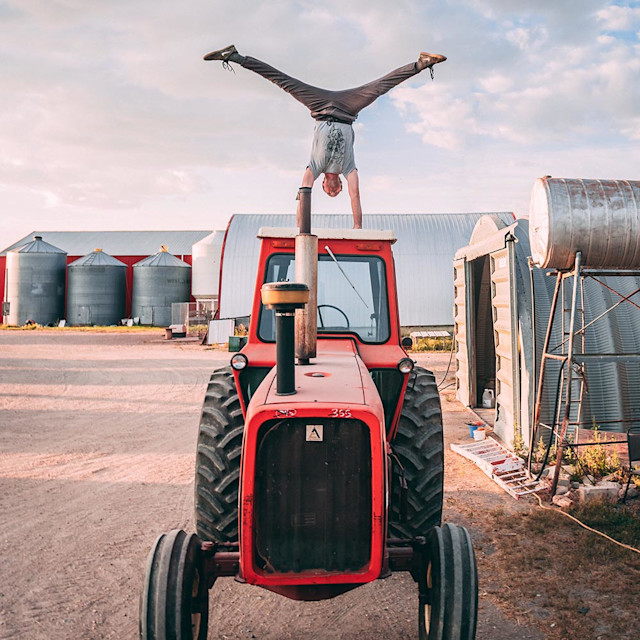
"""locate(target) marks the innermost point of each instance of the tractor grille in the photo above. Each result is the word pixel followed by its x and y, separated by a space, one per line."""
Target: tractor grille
pixel 313 495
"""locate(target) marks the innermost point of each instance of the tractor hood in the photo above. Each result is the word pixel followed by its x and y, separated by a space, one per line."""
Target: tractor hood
pixel 337 377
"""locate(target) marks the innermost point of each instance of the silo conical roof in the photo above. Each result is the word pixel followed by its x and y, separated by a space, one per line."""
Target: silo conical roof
pixel 38 245
pixel 162 259
pixel 97 258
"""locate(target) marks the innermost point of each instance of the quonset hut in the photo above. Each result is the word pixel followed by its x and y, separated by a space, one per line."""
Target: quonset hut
pixel 426 244
pixel 502 308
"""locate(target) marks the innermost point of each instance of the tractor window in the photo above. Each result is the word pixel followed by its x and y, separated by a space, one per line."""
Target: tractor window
pixel 352 296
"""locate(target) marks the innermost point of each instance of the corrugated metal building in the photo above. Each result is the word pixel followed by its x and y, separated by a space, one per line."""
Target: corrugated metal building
pixel 502 309
pixel 127 246
pixel 423 254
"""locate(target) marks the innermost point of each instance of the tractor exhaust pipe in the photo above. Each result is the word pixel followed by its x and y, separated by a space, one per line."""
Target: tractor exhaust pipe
pixel 306 321
pixel 284 298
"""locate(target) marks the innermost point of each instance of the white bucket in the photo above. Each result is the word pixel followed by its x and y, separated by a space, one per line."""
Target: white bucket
pixel 479 434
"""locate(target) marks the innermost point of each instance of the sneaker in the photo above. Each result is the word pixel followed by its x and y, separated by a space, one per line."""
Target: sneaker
pixel 221 54
pixel 426 60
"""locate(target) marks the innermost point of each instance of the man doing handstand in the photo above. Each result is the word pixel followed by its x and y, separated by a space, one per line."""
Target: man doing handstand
pixel 334 113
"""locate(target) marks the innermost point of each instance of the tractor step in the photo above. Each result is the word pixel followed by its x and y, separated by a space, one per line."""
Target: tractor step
pixel 501 465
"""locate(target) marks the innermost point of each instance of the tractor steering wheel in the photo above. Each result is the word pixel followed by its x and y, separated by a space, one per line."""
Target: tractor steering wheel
pixel 330 306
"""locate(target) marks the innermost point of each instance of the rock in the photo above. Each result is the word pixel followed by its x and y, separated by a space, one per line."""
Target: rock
pixel 564 502
pixel 564 481
pixel 588 480
pixel 587 493
pixel 561 489
pixel 575 485
pixel 606 484
pixel 632 493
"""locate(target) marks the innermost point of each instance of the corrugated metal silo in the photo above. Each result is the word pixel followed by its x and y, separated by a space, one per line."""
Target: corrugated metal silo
pixel 158 282
pixel 35 282
pixel 96 290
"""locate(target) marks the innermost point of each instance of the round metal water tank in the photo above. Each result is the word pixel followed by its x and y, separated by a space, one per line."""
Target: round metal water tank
pixel 159 281
pixel 96 290
pixel 600 218
pixel 35 282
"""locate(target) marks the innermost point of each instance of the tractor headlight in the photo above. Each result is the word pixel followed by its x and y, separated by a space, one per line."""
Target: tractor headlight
pixel 405 365
pixel 239 361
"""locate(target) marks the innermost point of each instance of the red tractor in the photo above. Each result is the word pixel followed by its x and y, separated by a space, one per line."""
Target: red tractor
pixel 313 479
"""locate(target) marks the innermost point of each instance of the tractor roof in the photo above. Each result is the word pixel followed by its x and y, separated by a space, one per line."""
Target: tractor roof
pixel 329 234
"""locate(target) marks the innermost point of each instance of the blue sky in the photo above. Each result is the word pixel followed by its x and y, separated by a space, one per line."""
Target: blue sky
pixel 111 120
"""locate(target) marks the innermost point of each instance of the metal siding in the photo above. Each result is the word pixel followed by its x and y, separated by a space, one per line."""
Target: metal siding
pixel 613 387
pixel 124 243
pixel 425 247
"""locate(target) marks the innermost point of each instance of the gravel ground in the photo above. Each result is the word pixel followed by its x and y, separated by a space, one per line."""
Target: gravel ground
pixel 97 440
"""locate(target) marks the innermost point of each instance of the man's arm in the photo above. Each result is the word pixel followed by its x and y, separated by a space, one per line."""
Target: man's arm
pixel 353 184
pixel 307 181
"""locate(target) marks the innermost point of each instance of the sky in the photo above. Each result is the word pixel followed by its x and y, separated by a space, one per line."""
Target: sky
pixel 110 119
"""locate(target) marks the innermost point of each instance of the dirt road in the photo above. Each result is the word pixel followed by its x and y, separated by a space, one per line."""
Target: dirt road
pixel 97 441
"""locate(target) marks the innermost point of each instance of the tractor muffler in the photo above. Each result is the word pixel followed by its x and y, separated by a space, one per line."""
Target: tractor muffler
pixel 306 271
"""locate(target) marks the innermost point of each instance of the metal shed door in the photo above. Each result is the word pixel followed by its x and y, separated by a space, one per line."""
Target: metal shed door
pixel 506 343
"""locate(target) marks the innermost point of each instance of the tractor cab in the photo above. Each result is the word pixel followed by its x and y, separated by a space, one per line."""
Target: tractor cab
pixel 357 310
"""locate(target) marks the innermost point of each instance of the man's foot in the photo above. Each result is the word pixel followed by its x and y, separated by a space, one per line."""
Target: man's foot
pixel 222 54
pixel 426 60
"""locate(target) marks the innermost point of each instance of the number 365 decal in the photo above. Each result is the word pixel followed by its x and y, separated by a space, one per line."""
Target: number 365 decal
pixel 340 413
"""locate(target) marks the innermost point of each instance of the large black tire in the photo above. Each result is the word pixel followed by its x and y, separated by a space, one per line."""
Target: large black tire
pixel 175 599
pixel 451 609
pixel 218 460
pixel 419 448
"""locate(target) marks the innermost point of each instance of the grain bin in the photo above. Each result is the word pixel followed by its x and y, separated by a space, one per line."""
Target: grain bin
pixel 35 282
pixel 205 272
pixel 96 290
pixel 158 282
pixel 600 218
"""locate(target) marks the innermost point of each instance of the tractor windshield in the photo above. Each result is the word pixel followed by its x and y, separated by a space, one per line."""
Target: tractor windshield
pixel 352 295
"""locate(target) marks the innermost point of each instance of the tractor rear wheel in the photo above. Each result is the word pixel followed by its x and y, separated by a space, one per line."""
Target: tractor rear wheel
pixel 218 460
pixel 450 609
pixel 175 598
pixel 418 447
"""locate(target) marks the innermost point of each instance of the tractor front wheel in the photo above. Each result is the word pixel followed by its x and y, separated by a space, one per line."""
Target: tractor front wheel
pixel 175 598
pixel 449 594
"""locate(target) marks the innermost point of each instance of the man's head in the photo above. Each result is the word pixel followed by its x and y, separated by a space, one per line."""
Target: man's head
pixel 331 184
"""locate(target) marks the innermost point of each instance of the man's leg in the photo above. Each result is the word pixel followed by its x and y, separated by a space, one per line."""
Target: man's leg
pixel 360 97
pixel 311 97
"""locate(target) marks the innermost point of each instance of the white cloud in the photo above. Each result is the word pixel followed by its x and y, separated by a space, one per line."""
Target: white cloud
pixel 619 18
pixel 111 116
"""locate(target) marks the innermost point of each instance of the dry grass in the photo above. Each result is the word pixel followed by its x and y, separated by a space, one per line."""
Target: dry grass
pixel 109 329
pixel 547 571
